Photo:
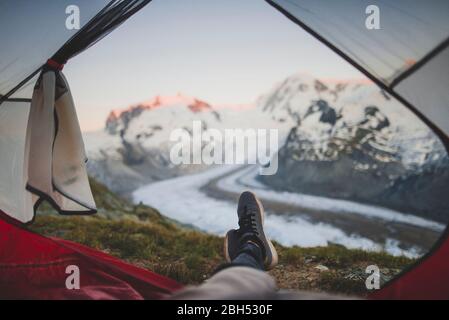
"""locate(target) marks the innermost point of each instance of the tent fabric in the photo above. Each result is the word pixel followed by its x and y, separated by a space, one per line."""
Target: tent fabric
pixel 406 56
pixel 427 90
pixel 14 198
pixel 111 16
pixel 32 32
pixel 428 280
pixel 36 267
pixel 16 74
pixel 408 30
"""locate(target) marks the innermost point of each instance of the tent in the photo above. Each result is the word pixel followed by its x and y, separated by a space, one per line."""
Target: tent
pixel 407 56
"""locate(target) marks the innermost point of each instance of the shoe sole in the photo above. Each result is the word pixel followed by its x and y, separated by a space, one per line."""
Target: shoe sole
pixel 272 256
pixel 226 249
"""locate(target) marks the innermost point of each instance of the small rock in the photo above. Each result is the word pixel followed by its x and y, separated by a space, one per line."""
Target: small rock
pixel 322 268
pixel 309 259
pixel 355 276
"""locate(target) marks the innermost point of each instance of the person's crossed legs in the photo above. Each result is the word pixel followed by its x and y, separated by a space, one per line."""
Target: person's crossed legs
pixel 248 253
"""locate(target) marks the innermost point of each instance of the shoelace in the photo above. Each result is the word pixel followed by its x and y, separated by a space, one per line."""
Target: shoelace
pixel 247 223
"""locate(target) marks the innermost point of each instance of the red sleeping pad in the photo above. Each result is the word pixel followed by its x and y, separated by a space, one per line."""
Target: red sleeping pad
pixel 34 267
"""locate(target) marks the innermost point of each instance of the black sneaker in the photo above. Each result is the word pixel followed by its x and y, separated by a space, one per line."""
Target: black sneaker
pixel 251 218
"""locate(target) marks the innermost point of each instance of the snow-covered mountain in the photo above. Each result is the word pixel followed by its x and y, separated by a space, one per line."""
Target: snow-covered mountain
pixel 350 140
pixel 134 147
pixel 328 117
pixel 342 139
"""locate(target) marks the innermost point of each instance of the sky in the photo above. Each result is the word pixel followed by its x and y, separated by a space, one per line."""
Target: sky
pixel 223 52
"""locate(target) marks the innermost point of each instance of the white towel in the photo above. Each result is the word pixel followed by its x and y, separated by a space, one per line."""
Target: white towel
pixel 55 159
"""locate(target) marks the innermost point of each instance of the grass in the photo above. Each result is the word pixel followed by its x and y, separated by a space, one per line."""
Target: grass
pixel 142 236
pixel 301 268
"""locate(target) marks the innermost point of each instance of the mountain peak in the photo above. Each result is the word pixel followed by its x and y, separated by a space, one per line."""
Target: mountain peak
pixel 158 101
pixel 117 116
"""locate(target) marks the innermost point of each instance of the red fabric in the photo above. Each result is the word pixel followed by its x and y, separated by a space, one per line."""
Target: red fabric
pixel 54 64
pixel 34 267
pixel 428 280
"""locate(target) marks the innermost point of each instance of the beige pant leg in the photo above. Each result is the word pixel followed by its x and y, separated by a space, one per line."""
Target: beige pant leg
pixel 232 283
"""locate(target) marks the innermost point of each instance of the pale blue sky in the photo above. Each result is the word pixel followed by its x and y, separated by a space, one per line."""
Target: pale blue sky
pixel 224 52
